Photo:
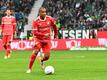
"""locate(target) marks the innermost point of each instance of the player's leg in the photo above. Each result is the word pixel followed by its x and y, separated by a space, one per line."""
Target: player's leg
pixel 5 47
pixel 10 38
pixel 40 55
pixel 46 51
pixel 33 57
pixel 31 61
pixel 45 58
pixel 6 53
pixel 4 39
pixel 8 49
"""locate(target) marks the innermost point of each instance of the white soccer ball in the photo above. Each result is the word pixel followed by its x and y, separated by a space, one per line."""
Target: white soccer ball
pixel 49 70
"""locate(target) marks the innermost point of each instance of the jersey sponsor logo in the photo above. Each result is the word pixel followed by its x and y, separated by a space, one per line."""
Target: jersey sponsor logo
pixel 7 23
pixel 44 29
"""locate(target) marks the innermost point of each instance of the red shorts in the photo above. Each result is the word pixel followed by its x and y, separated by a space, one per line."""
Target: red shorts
pixel 45 45
pixel 7 38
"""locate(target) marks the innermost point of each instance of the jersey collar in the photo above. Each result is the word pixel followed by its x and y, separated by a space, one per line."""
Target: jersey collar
pixel 8 16
pixel 41 19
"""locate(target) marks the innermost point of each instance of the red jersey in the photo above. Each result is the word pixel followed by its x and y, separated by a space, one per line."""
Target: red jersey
pixel 8 25
pixel 43 27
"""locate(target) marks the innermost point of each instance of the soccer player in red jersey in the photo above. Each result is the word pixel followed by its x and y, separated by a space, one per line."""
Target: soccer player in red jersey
pixel 8 25
pixel 42 37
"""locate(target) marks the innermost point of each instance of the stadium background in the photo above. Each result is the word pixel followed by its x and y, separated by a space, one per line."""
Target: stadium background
pixel 69 15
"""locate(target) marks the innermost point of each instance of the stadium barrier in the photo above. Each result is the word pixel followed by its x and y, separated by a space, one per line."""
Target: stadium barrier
pixel 66 44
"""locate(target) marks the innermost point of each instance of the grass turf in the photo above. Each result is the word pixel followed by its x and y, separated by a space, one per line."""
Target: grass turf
pixel 69 65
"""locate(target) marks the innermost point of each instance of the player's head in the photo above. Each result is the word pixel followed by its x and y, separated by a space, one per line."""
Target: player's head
pixel 8 12
pixel 42 12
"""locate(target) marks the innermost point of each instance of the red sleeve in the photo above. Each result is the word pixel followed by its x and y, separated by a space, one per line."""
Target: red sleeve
pixel 2 24
pixel 0 28
pixel 54 27
pixel 14 24
pixel 35 29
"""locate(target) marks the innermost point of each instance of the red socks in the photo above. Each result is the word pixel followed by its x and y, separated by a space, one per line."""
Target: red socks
pixel 7 48
pixel 32 59
pixel 7 52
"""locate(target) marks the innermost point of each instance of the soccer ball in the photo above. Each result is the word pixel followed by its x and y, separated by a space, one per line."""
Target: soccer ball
pixel 49 70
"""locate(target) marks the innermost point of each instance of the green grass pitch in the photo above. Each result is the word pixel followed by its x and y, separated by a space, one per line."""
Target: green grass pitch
pixel 69 65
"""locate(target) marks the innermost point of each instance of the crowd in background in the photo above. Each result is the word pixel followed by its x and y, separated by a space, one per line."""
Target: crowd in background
pixel 78 14
pixel 69 14
pixel 20 9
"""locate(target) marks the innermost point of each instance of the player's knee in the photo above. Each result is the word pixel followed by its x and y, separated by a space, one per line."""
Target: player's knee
pixel 9 42
pixel 36 52
pixel 5 46
pixel 47 56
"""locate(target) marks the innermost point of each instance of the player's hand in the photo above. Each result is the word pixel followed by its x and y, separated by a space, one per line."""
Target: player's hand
pixel 14 35
pixel 47 35
pixel 55 36
pixel 0 32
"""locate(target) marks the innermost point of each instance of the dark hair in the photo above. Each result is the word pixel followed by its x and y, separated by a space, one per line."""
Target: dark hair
pixel 8 9
pixel 41 8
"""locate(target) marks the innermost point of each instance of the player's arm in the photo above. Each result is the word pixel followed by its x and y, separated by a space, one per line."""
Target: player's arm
pixel 54 27
pixel 35 30
pixel 1 26
pixel 0 30
pixel 14 27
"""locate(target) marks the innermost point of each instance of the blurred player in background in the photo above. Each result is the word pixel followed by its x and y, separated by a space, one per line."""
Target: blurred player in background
pixel 8 25
pixel 42 37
